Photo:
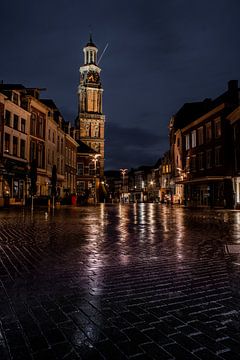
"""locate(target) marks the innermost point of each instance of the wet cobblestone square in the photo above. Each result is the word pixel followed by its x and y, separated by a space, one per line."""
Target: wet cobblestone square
pixel 140 281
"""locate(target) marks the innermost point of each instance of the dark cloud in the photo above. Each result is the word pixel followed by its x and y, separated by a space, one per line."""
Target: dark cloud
pixel 132 146
pixel 160 55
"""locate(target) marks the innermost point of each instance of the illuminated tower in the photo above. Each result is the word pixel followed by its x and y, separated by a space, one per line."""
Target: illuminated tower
pixel 90 120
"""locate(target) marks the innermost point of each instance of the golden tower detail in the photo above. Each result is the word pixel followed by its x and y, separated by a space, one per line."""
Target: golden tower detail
pixel 90 120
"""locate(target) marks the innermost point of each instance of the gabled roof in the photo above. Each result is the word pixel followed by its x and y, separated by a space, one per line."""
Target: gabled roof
pixel 84 148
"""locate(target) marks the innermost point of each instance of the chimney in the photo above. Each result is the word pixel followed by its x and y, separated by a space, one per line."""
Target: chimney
pixel 233 85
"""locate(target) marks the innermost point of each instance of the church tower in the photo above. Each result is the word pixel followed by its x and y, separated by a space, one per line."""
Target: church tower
pixel 90 120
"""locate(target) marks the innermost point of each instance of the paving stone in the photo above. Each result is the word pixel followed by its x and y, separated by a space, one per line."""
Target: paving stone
pixel 179 352
pixel 155 352
pixel 70 285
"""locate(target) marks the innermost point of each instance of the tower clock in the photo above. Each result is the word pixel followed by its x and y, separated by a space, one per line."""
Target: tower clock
pixel 90 120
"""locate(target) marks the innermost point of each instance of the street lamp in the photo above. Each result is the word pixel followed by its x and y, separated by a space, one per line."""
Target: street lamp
pixel 123 172
pixel 94 160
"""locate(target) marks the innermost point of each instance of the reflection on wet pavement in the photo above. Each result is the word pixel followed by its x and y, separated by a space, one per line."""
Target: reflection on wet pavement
pixel 141 281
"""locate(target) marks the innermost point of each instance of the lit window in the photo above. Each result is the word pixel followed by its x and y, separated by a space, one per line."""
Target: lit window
pixel 187 142
pixel 217 126
pixel 194 138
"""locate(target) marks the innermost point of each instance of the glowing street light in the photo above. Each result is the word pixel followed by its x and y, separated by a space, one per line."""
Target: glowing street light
pixel 123 172
pixel 95 160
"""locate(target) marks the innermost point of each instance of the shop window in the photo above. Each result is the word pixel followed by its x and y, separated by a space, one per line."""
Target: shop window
pixel 80 186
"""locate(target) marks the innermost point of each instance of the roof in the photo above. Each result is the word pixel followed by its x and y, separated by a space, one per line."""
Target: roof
pixel 50 103
pixel 12 86
pixel 191 111
pixel 84 148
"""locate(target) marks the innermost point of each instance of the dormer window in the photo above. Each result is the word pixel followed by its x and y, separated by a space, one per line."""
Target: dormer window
pixel 15 98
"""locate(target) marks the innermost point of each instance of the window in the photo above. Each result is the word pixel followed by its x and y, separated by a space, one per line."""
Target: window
pixel 58 143
pixel 32 150
pixel 187 142
pixel 200 135
pixel 193 163
pixel 61 146
pixel 7 143
pixel 53 137
pixel 15 122
pixel 96 131
pixel 200 161
pixel 41 155
pixel 22 148
pixel 8 118
pixel 80 169
pixel 40 127
pixel 86 170
pixel 15 98
pixel 23 125
pixel 218 160
pixel 80 186
pixel 49 160
pixel 49 134
pixel 194 138
pixel 87 130
pixel 208 159
pixel 208 131
pixel 15 146
pixel 91 169
pixel 33 124
pixel 217 126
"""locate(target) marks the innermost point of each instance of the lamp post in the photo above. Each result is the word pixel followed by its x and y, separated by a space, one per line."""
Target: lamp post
pixel 123 172
pixel 94 160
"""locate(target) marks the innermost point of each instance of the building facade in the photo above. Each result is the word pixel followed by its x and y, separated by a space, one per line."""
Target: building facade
pixel 206 151
pixel 90 120
pixel 33 130
pixel 14 150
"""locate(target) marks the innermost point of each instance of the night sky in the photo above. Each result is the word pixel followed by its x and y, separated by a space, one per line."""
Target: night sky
pixel 161 54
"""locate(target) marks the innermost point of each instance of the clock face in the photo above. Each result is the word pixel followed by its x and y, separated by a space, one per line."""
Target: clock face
pixel 92 77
